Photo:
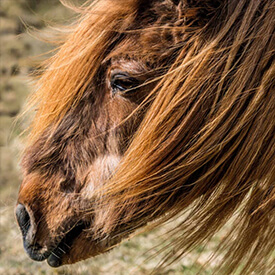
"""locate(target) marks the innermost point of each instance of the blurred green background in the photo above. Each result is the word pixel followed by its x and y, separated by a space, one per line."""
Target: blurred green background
pixel 19 54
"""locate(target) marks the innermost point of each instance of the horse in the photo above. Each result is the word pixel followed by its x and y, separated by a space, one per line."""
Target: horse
pixel 150 110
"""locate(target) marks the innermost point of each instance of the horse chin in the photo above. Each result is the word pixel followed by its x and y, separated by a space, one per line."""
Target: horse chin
pixel 79 245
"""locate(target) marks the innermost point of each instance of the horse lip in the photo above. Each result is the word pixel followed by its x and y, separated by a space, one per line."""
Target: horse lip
pixel 54 259
pixel 54 255
pixel 34 252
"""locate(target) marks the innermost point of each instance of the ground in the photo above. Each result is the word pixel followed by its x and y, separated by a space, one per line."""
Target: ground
pixel 20 52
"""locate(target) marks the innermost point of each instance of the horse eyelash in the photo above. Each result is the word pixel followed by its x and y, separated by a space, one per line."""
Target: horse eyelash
pixel 118 81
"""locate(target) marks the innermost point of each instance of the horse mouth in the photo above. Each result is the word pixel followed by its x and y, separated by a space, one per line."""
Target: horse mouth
pixel 64 246
pixel 55 255
pixel 72 247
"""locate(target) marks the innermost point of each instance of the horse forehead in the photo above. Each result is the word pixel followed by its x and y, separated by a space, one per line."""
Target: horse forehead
pixel 152 34
pixel 139 53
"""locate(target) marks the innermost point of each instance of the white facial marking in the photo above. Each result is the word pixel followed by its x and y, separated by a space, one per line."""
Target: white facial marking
pixel 101 170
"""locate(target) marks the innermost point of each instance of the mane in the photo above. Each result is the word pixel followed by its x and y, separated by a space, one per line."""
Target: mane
pixel 207 142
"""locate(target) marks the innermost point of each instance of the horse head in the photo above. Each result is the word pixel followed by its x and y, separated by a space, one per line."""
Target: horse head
pixel 147 108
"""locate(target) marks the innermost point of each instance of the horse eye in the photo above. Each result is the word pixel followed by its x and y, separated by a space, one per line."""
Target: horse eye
pixel 122 82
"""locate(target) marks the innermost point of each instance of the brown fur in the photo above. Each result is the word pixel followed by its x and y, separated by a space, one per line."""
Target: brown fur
pixel 196 135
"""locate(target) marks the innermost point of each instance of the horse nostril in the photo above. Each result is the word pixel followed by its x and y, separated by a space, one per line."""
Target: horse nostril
pixel 23 219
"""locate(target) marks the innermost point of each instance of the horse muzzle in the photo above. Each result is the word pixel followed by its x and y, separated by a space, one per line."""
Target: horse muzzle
pixel 37 252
